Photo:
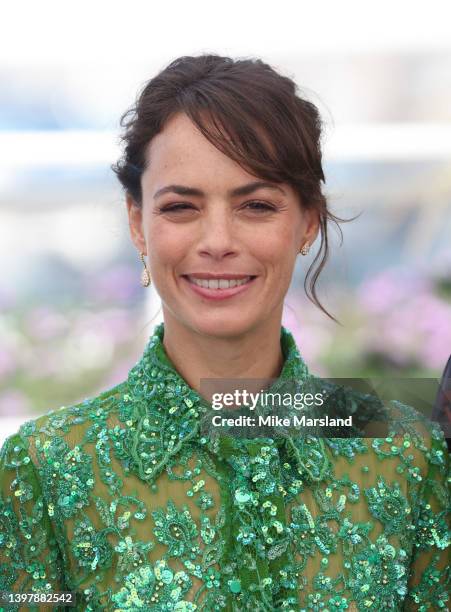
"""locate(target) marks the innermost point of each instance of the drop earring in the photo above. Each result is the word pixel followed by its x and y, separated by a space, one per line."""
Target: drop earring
pixel 305 249
pixel 145 276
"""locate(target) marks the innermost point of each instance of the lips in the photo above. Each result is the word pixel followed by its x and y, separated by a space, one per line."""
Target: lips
pixel 215 292
pixel 218 283
pixel 218 276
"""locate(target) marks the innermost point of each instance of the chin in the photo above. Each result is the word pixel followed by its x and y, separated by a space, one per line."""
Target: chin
pixel 224 326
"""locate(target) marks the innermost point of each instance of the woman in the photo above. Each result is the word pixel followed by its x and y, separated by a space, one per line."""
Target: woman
pixel 127 499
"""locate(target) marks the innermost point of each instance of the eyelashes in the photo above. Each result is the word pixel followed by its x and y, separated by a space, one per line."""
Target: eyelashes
pixel 255 205
pixel 175 207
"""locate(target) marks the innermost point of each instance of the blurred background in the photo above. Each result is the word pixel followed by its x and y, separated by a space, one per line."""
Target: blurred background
pixel 73 315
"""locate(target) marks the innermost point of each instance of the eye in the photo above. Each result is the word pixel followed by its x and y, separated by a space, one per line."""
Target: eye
pixel 259 206
pixel 176 207
pixel 255 205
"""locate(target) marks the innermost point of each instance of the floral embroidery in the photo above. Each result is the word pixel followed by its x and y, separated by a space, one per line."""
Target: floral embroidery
pixel 123 499
pixel 90 548
pixel 177 530
pixel 379 577
pixel 160 588
pixel 388 505
pixel 69 473
pixel 432 529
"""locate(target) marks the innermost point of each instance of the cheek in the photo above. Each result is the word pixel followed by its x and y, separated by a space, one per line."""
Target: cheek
pixel 167 246
pixel 274 247
pixel 277 248
pixel 279 258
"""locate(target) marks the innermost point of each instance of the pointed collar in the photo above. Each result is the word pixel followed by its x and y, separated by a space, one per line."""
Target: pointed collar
pixel 293 368
pixel 162 412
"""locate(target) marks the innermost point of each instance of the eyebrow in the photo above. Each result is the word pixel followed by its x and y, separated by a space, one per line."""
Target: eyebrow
pixel 238 191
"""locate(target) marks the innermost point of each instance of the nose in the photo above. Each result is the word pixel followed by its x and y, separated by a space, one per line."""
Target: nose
pixel 216 235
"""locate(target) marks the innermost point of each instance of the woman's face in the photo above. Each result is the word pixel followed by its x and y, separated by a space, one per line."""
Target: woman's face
pixel 202 214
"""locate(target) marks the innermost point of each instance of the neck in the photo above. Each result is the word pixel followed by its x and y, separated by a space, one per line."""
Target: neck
pixel 255 354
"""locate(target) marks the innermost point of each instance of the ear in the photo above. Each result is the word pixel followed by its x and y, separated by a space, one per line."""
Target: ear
pixel 312 226
pixel 135 222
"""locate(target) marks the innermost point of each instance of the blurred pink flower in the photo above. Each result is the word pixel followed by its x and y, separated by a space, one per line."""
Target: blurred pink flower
pixel 116 284
pixel 436 352
pixel 44 322
pixel 385 290
pixel 435 327
pixel 114 324
pixel 417 328
pixel 120 323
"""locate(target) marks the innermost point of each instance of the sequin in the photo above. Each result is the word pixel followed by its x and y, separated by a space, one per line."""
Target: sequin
pixel 123 499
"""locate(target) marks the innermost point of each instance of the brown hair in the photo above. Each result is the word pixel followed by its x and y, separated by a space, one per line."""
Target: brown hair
pixel 252 114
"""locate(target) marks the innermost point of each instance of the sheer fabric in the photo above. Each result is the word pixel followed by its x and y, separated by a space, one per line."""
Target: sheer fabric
pixel 122 500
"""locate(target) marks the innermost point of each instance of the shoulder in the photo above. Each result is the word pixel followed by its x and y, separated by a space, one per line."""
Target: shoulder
pixel 74 423
pixel 425 436
pixel 390 431
pixel 417 447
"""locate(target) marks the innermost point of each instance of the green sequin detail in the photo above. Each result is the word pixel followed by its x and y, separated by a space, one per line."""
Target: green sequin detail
pixel 122 499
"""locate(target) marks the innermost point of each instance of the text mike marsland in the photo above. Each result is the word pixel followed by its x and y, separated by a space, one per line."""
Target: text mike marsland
pixel 278 421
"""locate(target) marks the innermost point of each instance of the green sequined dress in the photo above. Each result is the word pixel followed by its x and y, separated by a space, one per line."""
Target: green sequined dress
pixel 122 500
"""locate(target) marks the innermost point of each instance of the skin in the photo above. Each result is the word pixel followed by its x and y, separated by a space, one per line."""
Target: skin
pixel 238 337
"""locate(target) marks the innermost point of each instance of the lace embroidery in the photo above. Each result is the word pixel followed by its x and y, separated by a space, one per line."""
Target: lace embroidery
pixel 124 500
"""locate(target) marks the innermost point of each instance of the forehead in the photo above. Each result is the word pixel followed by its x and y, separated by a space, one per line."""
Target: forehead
pixel 181 144
pixel 181 154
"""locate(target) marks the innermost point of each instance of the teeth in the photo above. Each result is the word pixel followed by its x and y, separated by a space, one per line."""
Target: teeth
pixel 218 284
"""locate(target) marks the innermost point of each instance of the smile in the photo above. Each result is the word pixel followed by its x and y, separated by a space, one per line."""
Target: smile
pixel 219 283
pixel 218 288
